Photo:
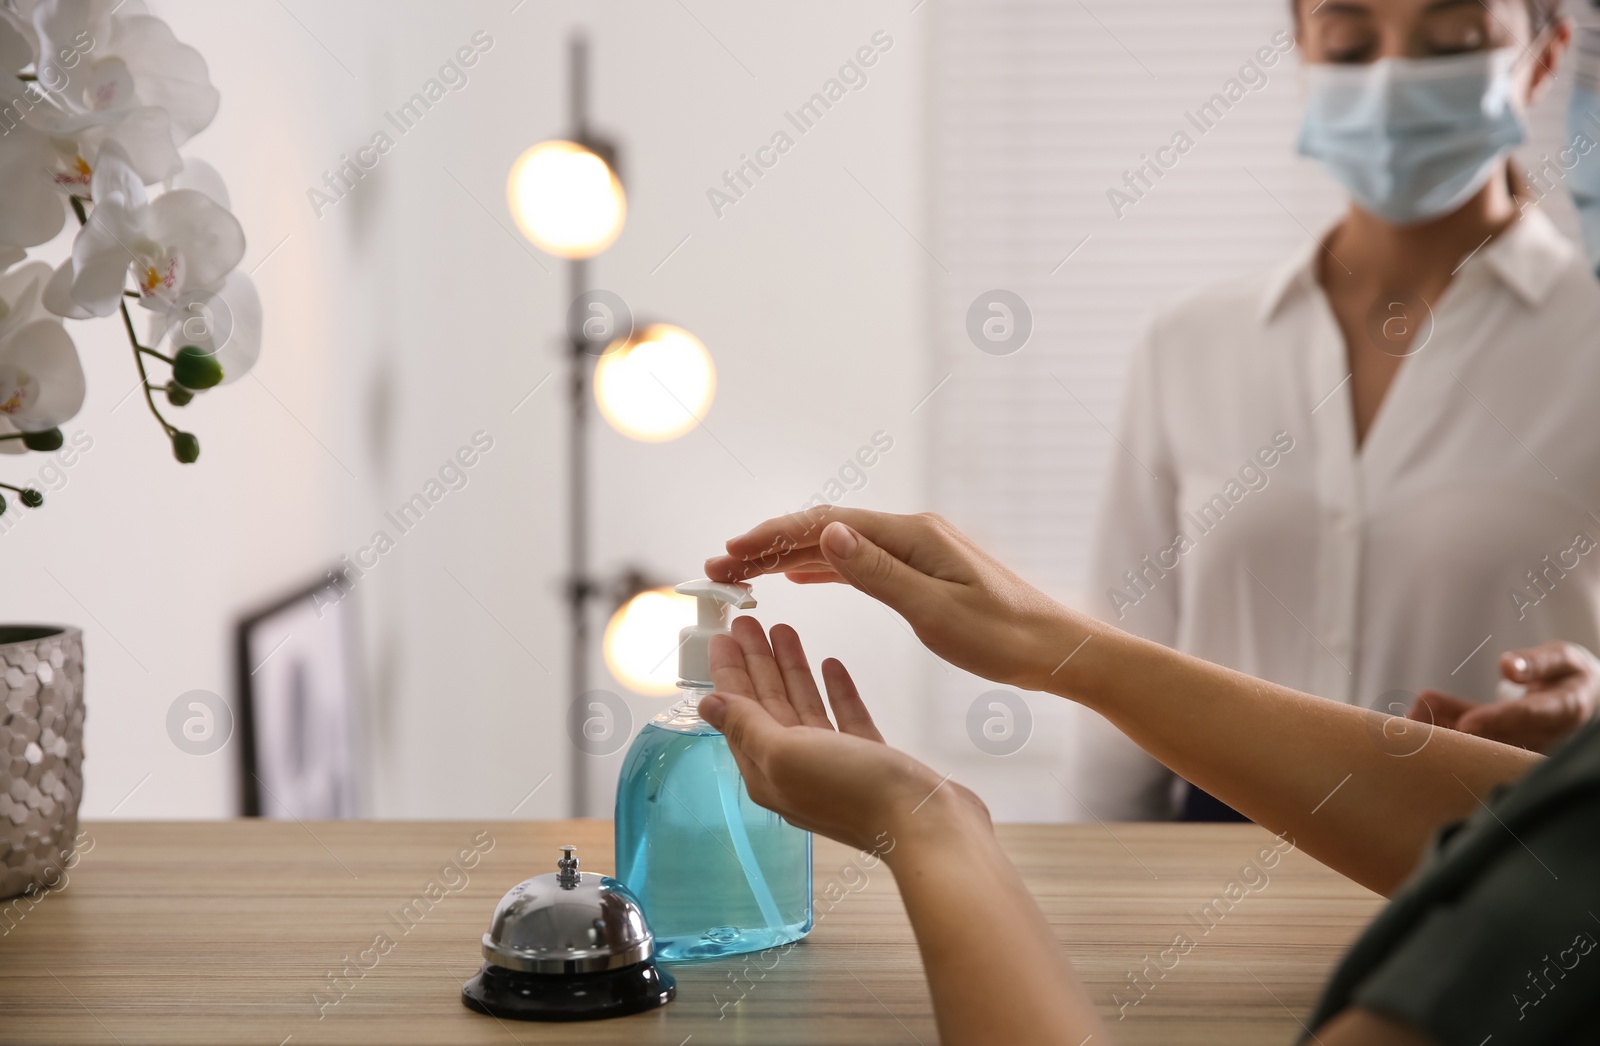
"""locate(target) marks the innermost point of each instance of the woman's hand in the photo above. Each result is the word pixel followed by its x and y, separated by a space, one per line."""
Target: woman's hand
pixel 1563 685
pixel 963 604
pixel 845 783
pixel 995 971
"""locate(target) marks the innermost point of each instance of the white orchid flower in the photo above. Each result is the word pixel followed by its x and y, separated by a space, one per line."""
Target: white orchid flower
pixel 223 322
pixel 18 43
pixel 114 74
pixel 202 177
pixel 31 209
pixel 182 241
pixel 41 380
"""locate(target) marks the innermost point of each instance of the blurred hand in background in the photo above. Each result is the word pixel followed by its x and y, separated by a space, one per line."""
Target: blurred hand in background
pixel 1562 690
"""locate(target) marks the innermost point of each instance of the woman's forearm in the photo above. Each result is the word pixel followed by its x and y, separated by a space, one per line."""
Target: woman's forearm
pixel 995 971
pixel 1359 792
pixel 1336 778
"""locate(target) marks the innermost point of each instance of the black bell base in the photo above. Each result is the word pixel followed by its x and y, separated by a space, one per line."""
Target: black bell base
pixel 513 995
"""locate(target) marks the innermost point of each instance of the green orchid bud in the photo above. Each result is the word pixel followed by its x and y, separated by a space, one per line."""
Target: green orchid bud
pixel 185 447
pixel 49 439
pixel 194 368
pixel 178 396
pixel 32 498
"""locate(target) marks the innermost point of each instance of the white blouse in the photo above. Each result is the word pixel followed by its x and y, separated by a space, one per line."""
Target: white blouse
pixel 1242 525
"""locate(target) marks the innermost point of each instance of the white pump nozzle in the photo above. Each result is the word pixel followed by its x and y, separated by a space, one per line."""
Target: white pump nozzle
pixel 694 643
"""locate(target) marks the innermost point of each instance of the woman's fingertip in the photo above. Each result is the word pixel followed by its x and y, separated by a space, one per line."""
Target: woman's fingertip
pixel 840 539
pixel 712 709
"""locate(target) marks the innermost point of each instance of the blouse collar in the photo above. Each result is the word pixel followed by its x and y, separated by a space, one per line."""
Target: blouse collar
pixel 1530 258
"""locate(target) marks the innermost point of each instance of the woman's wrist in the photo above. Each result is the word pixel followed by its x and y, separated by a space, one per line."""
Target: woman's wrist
pixel 948 817
pixel 1068 650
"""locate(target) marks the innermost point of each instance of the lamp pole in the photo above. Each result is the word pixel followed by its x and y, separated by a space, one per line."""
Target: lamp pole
pixel 580 587
pixel 573 207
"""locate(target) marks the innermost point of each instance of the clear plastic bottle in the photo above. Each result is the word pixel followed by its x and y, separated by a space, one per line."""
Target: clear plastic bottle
pixel 715 873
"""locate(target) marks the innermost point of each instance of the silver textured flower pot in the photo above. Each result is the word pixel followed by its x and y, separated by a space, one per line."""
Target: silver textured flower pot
pixel 41 751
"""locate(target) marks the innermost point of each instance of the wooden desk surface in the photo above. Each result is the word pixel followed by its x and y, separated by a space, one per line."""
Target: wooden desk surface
pixel 228 932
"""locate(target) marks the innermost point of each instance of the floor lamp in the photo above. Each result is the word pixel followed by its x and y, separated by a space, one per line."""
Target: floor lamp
pixel 652 382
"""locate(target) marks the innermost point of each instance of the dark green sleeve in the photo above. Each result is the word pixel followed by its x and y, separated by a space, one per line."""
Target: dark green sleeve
pixel 1515 957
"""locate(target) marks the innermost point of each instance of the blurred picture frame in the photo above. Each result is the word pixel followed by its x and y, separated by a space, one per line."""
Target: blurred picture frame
pixel 302 731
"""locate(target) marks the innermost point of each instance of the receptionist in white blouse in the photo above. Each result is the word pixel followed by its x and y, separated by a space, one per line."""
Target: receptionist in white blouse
pixel 1369 472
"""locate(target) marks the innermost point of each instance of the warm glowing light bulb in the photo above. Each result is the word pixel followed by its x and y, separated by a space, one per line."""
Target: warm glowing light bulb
pixel 641 640
pixel 657 385
pixel 566 200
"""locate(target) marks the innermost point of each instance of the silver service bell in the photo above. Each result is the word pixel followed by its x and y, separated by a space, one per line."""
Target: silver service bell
pixel 568 946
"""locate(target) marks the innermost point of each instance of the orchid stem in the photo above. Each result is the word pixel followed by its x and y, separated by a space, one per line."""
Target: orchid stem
pixel 144 378
pixel 139 351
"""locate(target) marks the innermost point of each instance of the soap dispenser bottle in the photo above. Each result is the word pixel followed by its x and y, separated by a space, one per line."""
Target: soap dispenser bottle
pixel 715 873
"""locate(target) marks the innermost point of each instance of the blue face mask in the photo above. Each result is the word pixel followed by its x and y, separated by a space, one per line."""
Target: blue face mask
pixel 1583 119
pixel 1413 138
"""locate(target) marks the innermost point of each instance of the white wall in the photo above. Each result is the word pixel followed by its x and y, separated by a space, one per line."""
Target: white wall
pixel 806 295
pixel 406 318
